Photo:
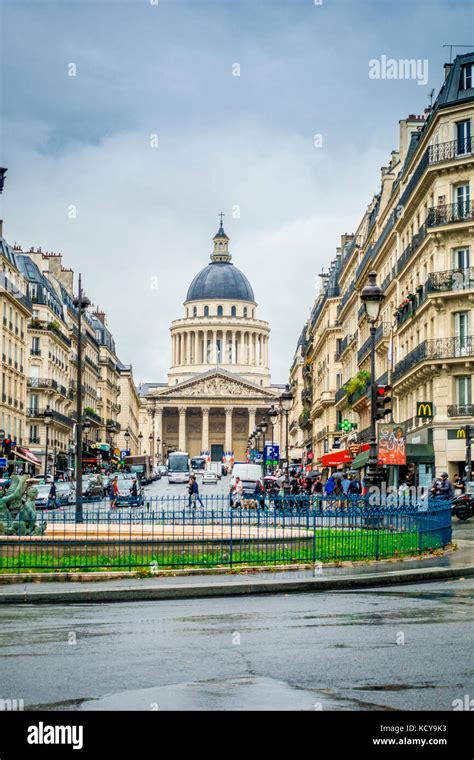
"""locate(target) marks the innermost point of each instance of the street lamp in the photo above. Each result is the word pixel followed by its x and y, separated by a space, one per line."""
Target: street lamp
pixel 158 455
pixel 151 439
pixel 263 428
pixel 140 439
pixel 286 401
pixel 273 416
pixel 81 303
pixel 48 418
pixel 372 296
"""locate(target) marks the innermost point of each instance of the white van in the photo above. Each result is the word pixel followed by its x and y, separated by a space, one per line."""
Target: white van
pixel 248 473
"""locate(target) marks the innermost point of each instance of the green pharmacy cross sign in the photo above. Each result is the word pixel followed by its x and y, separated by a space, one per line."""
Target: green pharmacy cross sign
pixel 425 409
pixel 347 426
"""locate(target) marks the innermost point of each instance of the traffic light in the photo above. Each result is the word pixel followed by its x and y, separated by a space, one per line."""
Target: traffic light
pixel 383 401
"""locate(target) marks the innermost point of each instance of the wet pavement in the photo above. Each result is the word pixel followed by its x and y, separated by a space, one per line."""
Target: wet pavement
pixel 401 647
pixel 463 558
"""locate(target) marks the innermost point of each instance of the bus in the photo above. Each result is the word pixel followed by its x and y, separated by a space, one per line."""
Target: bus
pixel 178 467
pixel 141 466
pixel 198 464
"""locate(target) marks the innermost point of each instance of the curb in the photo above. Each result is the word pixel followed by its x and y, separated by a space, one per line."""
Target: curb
pixel 202 590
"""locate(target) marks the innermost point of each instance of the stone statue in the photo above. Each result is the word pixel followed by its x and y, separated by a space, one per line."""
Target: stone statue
pixel 15 503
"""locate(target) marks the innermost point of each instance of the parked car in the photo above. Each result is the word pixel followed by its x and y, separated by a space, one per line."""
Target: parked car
pixel 209 478
pixel 162 469
pixel 42 500
pixel 125 498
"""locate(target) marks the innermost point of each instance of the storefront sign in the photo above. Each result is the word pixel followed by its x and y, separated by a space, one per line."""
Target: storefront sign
pixel 424 409
pixel 456 433
pixel 392 444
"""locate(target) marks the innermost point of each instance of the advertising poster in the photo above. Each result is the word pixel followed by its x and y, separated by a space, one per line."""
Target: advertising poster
pixel 392 444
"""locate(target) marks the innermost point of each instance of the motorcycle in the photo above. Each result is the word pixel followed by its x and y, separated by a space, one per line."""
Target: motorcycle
pixel 462 506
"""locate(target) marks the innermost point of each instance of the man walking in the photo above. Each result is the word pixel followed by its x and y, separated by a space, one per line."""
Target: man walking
pixel 194 496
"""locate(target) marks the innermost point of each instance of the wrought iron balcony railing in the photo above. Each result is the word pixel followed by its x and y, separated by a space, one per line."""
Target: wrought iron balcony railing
pixel 447 151
pixel 461 410
pixel 350 290
pixel 451 279
pixel 7 286
pixel 434 349
pixel 462 211
pixel 345 343
pixel 412 246
pixel 340 393
pixel 382 331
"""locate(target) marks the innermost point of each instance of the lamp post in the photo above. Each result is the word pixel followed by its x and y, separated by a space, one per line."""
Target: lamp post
pixel 140 439
pixel 263 428
pixel 286 401
pixel 163 448
pixel 151 440
pixel 126 435
pixel 48 418
pixel 273 416
pixel 158 456
pixel 372 296
pixel 81 303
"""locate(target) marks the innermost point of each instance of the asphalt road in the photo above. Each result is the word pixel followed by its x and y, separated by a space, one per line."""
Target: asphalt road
pixel 393 648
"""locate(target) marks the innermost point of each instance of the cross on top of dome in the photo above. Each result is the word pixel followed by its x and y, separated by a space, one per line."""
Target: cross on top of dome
pixel 221 244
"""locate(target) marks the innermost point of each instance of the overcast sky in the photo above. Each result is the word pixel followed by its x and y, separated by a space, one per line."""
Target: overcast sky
pixel 145 215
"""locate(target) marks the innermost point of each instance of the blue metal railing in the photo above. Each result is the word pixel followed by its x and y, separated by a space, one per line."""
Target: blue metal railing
pixel 263 530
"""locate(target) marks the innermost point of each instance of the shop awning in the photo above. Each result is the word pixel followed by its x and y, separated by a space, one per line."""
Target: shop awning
pixel 336 458
pixel 27 456
pixel 420 453
pixel 361 460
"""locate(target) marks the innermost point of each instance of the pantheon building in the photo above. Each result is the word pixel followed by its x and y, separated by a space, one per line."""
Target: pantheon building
pixel 219 384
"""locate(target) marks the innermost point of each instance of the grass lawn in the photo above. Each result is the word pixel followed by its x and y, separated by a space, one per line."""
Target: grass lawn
pixel 328 546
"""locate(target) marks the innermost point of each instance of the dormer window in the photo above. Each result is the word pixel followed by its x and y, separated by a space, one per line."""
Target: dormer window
pixel 466 77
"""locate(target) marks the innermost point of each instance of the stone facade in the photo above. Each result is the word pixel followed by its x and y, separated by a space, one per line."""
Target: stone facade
pixel 219 382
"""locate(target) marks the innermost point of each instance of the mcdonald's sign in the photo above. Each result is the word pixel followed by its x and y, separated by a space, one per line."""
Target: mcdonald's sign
pixel 457 433
pixel 424 409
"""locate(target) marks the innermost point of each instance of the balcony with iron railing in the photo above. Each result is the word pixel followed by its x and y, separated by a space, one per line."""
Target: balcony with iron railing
pixel 340 394
pixel 381 331
pixel 46 383
pixel 307 396
pixel 461 410
pixel 50 327
pixel 348 293
pixel 36 413
pixel 8 287
pixel 451 280
pixel 344 344
pixel 450 213
pixel 435 349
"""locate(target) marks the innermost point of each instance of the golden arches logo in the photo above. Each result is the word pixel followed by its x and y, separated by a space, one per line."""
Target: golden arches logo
pixel 461 433
pixel 424 410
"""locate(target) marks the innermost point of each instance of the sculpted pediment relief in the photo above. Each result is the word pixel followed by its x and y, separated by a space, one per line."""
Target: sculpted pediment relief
pixel 216 385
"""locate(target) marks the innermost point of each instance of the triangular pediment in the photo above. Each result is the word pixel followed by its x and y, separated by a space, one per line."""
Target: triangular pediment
pixel 215 384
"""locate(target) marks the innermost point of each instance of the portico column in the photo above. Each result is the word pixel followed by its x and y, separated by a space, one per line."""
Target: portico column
pixel 205 429
pixel 182 428
pixel 252 415
pixel 228 428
